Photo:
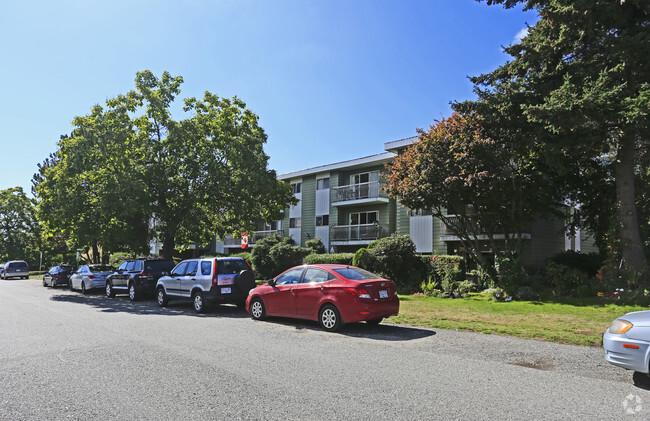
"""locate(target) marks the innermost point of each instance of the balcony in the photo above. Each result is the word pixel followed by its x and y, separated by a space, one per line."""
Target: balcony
pixel 232 242
pixel 356 234
pixel 447 234
pixel 354 194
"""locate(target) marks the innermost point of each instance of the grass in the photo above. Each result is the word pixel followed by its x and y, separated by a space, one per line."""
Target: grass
pixel 567 321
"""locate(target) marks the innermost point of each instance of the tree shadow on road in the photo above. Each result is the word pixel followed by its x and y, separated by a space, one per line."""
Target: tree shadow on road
pixel 122 304
pixel 381 332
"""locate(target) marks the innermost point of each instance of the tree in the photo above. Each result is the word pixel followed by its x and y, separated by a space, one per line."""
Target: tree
pixel 486 184
pixel 578 89
pixel 18 226
pixel 123 177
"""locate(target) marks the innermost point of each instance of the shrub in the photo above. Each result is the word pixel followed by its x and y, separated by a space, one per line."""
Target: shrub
pixel 440 264
pixel 430 286
pixel 316 245
pixel 526 293
pixel 465 287
pixel 564 279
pixel 512 275
pixel 393 258
pixel 245 254
pixel 496 294
pixel 588 263
pixel 273 255
pixel 334 258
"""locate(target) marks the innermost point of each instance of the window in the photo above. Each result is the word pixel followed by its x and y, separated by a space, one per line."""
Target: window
pixel 322 220
pixel 360 178
pixel 291 277
pixel 180 269
pixel 296 188
pixel 123 266
pixel 206 268
pixel 130 266
pixel 295 222
pixel 191 268
pixel 356 273
pixel 231 267
pixel 316 276
pixel 323 183
pixel 364 218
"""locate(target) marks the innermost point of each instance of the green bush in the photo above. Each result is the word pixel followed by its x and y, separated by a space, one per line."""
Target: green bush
pixel 334 258
pixel 566 280
pixel 245 254
pixel 393 258
pixel 512 275
pixel 316 245
pixel 526 293
pixel 273 255
pixel 588 263
pixel 440 264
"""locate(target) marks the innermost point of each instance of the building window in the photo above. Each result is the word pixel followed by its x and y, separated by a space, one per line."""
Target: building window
pixel 323 184
pixel 296 188
pixel 364 218
pixel 322 220
pixel 360 178
pixel 294 222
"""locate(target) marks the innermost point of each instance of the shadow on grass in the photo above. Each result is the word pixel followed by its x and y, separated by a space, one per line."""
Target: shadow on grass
pixel 122 304
pixel 381 332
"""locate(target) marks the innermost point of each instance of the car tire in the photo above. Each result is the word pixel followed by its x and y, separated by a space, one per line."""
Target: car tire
pixel 245 281
pixel 329 318
pixel 109 289
pixel 53 283
pixel 198 302
pixel 161 297
pixel 374 322
pixel 133 293
pixel 257 309
pixel 83 288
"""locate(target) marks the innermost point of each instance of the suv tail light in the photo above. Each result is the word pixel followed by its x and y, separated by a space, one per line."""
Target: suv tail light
pixel 215 274
pixel 357 292
pixel 250 267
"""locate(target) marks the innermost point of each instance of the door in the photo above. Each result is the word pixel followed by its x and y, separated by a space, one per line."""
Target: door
pixel 119 279
pixel 281 301
pixel 173 282
pixel 310 291
pixel 188 280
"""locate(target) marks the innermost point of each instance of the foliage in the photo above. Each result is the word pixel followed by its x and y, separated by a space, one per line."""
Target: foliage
pixel 19 229
pixel 273 255
pixel 588 263
pixel 394 258
pixel 577 95
pixel 439 265
pixel 333 258
pixel 316 245
pixel 567 280
pixel 246 255
pixel 512 275
pixel 129 164
pixel 496 294
pixel 477 185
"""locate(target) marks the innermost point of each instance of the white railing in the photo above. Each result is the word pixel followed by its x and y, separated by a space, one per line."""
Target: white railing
pixel 370 190
pixel 357 232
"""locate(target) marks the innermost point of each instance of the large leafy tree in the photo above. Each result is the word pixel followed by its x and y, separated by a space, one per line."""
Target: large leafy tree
pixel 491 190
pixel 130 171
pixel 578 91
pixel 18 226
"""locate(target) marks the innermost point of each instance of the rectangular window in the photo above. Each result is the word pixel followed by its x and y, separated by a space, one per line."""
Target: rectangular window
pixel 294 222
pixel 360 178
pixel 364 218
pixel 296 188
pixel 322 220
pixel 323 184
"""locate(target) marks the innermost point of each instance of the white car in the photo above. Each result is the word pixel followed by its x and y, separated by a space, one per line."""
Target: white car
pixel 627 344
pixel 88 277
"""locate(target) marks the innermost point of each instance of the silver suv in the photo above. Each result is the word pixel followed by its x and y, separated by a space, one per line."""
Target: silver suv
pixel 207 281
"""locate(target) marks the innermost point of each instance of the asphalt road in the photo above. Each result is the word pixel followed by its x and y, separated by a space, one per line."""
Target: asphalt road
pixel 68 356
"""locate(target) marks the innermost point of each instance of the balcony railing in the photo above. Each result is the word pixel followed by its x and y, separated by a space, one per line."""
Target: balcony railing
pixel 357 232
pixel 466 224
pixel 370 190
pixel 231 241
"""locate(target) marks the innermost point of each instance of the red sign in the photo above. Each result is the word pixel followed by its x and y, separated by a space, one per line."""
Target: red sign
pixel 244 240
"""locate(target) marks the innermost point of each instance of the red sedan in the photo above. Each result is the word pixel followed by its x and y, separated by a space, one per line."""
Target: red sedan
pixel 331 294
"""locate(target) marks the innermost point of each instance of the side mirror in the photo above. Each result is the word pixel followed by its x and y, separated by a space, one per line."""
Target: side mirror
pixel 271 282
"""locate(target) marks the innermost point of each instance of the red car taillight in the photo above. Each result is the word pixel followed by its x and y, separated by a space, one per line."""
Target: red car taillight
pixel 92 276
pixel 357 292
pixel 215 275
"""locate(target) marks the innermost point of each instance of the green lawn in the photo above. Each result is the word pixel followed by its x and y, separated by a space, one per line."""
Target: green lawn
pixel 568 321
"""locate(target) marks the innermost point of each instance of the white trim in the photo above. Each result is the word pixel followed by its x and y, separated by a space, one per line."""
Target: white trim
pixel 373 159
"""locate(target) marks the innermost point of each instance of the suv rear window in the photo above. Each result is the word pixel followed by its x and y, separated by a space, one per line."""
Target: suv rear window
pixel 17 265
pixel 229 267
pixel 159 266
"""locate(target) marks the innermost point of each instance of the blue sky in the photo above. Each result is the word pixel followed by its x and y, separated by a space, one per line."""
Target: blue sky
pixel 331 80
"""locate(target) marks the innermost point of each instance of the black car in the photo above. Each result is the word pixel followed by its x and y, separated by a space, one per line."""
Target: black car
pixel 58 275
pixel 137 277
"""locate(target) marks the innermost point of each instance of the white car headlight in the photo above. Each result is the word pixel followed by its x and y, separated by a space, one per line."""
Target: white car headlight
pixel 620 326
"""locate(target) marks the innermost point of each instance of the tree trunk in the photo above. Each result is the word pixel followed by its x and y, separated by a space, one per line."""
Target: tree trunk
pixel 626 212
pixel 168 247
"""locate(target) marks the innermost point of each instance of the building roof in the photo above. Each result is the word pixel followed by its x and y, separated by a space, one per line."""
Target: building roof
pixel 359 162
pixel 399 144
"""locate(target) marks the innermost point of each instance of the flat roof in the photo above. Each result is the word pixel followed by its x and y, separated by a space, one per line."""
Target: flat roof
pixel 372 159
pixel 398 144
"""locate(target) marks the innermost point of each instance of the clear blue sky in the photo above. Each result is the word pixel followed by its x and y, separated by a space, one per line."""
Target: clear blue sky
pixel 331 80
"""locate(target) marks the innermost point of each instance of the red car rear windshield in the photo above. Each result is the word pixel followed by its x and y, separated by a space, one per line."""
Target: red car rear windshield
pixel 356 273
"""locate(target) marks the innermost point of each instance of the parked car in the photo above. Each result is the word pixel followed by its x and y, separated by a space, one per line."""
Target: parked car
pixel 88 277
pixel 330 294
pixel 57 275
pixel 137 277
pixel 15 269
pixel 627 344
pixel 207 281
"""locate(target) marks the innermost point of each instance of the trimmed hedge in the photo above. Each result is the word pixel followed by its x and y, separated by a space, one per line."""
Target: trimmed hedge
pixel 334 258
